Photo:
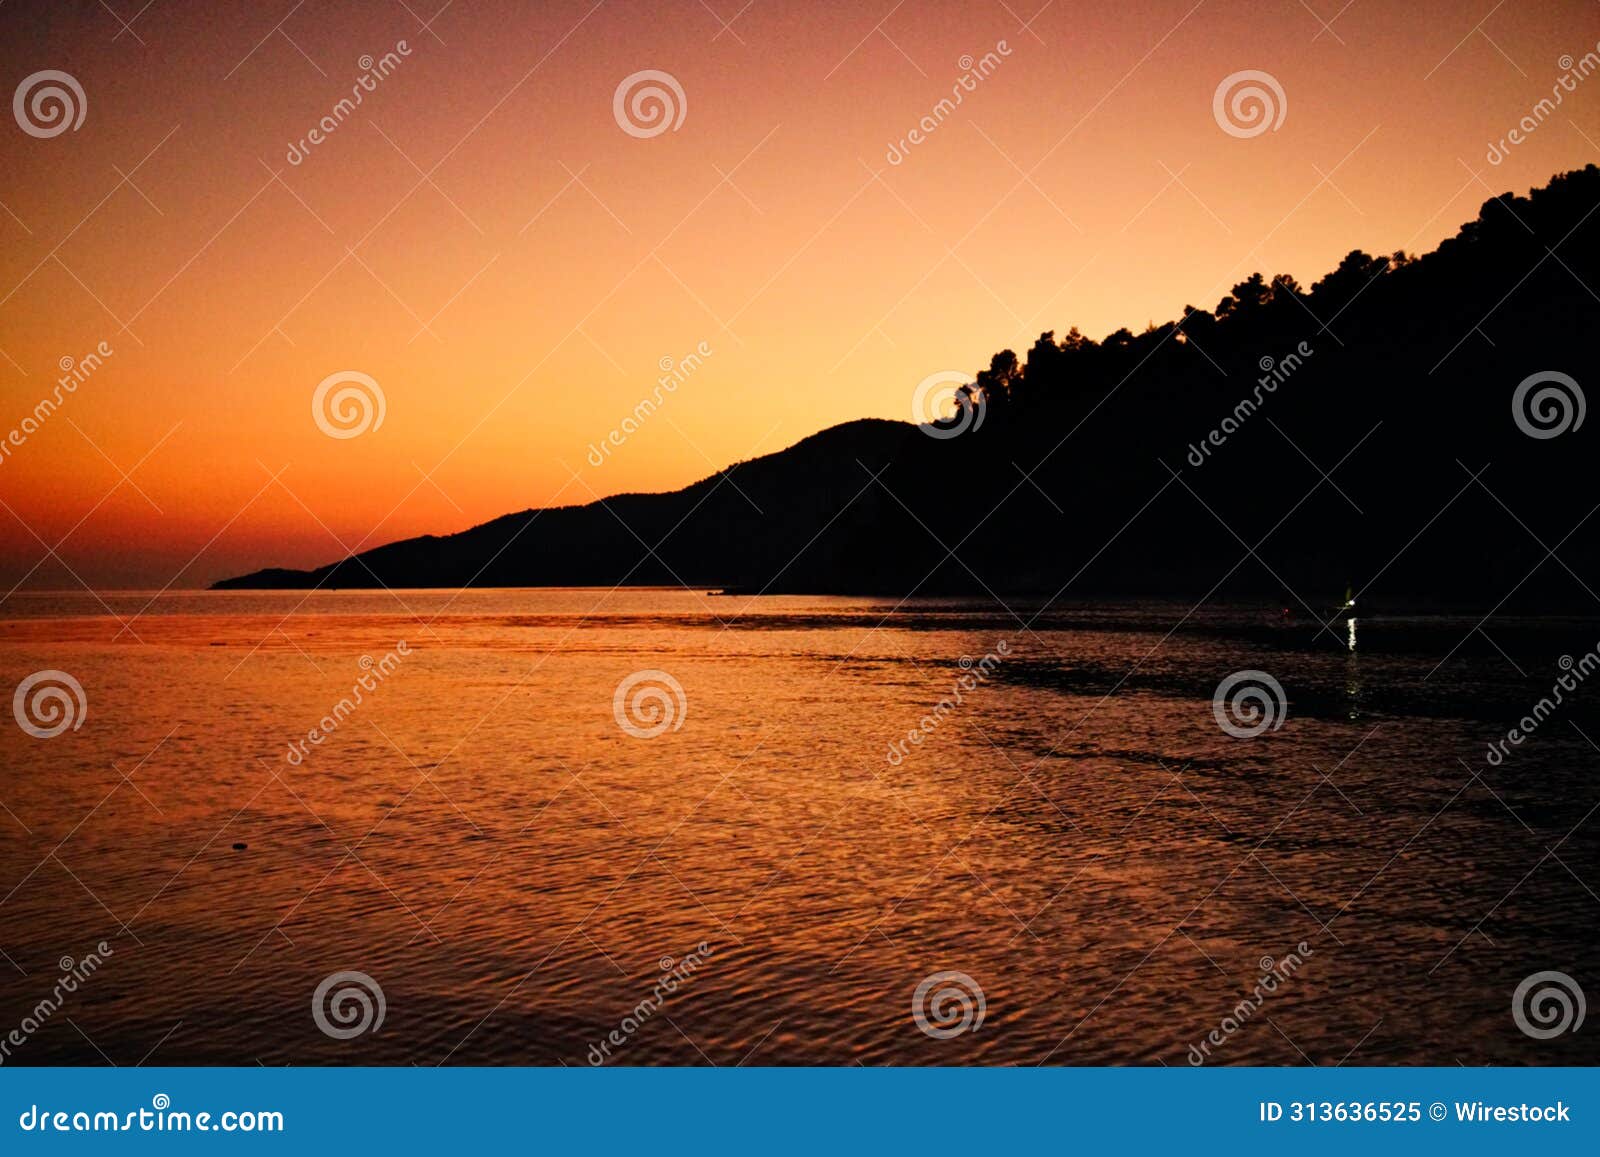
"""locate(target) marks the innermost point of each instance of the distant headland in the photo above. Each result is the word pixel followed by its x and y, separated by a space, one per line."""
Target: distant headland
pixel 1412 424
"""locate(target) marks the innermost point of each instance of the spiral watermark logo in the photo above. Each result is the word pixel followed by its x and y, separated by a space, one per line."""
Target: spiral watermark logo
pixel 348 404
pixel 649 703
pixel 1248 103
pixel 948 1004
pixel 936 393
pixel 648 103
pixel 49 703
pixel 1247 703
pixel 1548 404
pixel 347 1004
pixel 49 103
pixel 1548 1004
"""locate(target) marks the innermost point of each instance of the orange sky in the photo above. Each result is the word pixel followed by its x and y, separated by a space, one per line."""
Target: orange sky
pixel 515 305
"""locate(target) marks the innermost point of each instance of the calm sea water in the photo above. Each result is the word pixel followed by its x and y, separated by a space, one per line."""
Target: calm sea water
pixel 519 874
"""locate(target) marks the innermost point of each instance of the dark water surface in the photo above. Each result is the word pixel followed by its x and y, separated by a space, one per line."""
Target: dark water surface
pixel 517 872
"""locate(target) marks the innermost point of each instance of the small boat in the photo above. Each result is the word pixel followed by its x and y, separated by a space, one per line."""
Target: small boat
pixel 1331 613
pixel 1346 609
pixel 1345 612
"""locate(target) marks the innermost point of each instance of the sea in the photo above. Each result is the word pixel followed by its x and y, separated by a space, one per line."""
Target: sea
pixel 670 827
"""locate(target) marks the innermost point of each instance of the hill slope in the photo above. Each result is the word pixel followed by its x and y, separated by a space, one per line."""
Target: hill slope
pixel 1288 440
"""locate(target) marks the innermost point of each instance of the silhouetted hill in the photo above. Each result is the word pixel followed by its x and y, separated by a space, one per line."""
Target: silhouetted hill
pixel 1178 460
pixel 746 522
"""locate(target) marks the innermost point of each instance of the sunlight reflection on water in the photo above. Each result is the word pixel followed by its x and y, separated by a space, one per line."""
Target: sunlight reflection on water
pixel 1076 835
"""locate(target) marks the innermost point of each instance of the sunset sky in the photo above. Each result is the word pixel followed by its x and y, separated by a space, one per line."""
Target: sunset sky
pixel 484 240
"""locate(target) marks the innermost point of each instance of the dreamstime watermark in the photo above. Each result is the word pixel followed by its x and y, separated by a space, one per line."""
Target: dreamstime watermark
pixel 1273 375
pixel 648 703
pixel 74 372
pixel 975 672
pixel 376 671
pixel 972 72
pixel 372 72
pixel 73 973
pixel 674 975
pixel 1576 672
pixel 936 392
pixel 947 1004
pixel 49 703
pixel 673 375
pixel 1551 410
pixel 1572 72
pixel 347 1004
pixel 1248 103
pixel 48 103
pixel 1548 1004
pixel 347 404
pixel 1273 974
pixel 1248 703
pixel 159 1118
pixel 649 102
